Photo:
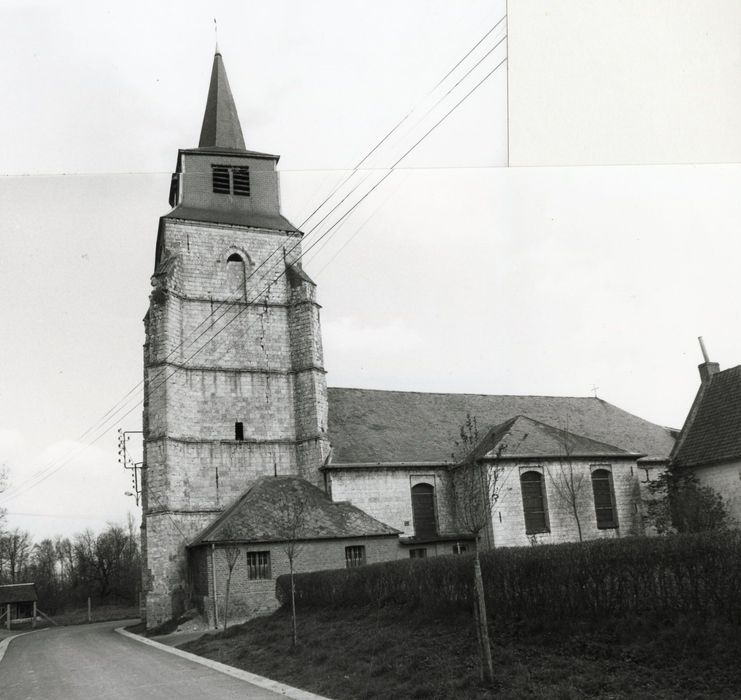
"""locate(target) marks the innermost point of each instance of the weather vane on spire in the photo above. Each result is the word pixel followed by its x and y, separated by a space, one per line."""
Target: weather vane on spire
pixel 216 34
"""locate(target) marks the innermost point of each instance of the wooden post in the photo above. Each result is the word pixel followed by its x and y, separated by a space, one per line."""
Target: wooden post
pixel 33 621
pixel 89 610
pixel 213 578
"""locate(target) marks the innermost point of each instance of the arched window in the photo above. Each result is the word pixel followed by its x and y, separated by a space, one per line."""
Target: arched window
pixel 604 499
pixel 235 277
pixel 533 503
pixel 423 510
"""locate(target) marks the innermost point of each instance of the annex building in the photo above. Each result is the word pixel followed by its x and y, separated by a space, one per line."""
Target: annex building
pixel 241 432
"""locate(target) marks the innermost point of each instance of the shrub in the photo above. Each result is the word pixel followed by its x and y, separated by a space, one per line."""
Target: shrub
pixel 681 574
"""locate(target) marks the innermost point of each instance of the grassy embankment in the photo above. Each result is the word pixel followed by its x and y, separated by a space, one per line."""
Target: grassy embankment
pixel 397 653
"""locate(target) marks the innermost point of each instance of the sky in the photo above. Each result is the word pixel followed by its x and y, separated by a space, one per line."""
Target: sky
pixel 457 274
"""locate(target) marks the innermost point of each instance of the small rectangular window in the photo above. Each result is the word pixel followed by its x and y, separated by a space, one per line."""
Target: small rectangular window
pixel 460 548
pixel 239 431
pixel 419 553
pixel 220 179
pixel 354 556
pixel 258 565
pixel 241 180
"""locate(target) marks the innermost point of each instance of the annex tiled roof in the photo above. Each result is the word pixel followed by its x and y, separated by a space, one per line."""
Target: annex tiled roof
pixel 369 426
pixel 522 437
pixel 18 593
pixel 713 433
pixel 258 515
pixel 233 217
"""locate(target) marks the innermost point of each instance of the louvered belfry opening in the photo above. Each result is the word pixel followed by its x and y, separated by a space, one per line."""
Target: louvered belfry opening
pixel 220 179
pixel 423 510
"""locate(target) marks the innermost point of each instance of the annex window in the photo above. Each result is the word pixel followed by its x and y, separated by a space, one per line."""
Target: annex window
pixel 258 565
pixel 459 548
pixel 228 179
pixel 604 499
pixel 239 431
pixel 533 503
pixel 418 553
pixel 354 556
pixel 423 510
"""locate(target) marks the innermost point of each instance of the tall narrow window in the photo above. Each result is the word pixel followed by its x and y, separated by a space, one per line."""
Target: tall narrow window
pixel 354 556
pixel 604 499
pixel 258 565
pixel 235 276
pixel 533 503
pixel 239 431
pixel 423 510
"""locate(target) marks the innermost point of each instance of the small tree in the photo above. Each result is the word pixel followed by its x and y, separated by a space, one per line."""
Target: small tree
pixel 231 550
pixel 476 484
pixel 291 518
pixel 679 503
pixel 567 482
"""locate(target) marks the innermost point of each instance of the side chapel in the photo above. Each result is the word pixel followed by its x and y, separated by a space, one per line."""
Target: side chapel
pixel 238 421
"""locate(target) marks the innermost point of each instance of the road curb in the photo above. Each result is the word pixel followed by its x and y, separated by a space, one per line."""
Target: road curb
pixel 260 681
pixel 5 643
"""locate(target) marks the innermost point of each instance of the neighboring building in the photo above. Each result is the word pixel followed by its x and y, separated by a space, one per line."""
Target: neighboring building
pixel 709 443
pixel 18 602
pixel 273 515
pixel 237 412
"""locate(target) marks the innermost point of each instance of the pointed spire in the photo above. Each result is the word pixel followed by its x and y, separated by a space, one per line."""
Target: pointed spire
pixel 221 126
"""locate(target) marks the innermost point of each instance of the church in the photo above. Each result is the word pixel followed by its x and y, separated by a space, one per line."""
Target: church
pixel 240 426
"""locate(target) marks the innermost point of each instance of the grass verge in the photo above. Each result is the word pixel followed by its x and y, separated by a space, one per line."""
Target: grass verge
pixel 395 653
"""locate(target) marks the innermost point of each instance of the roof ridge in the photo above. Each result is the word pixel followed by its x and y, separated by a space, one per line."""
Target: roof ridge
pixel 458 393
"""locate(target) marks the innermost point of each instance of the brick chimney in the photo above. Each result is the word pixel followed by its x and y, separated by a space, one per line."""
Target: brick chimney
pixel 707 368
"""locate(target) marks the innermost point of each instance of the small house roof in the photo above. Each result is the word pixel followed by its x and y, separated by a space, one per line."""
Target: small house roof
pixel 18 593
pixel 369 426
pixel 712 431
pixel 259 515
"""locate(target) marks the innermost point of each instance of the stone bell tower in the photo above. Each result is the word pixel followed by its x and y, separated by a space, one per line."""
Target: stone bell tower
pixel 234 382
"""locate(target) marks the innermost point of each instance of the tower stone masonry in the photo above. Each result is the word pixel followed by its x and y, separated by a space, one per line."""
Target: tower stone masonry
pixel 234 382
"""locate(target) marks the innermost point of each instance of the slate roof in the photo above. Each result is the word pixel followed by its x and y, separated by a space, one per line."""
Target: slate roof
pixel 369 426
pixel 18 593
pixel 256 515
pixel 713 433
pixel 221 127
pixel 234 217
pixel 522 437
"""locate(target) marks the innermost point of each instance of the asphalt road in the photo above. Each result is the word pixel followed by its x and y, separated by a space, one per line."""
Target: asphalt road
pixel 93 662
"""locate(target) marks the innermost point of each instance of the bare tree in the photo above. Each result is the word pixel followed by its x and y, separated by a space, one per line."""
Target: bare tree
pixel 568 483
pixel 291 519
pixel 476 484
pixel 231 550
pixel 17 546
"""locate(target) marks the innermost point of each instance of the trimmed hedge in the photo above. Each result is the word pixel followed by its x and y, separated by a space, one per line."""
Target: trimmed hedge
pixel 692 574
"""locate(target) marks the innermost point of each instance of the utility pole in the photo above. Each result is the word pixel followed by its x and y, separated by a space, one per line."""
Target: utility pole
pixel 127 462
